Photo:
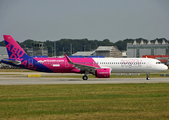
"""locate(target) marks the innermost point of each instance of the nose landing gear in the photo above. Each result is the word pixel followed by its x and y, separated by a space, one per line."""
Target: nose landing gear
pixel 147 78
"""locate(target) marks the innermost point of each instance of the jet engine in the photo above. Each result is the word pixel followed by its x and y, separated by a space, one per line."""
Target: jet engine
pixel 102 73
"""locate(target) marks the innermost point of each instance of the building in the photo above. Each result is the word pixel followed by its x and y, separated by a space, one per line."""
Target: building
pixel 37 50
pixel 3 53
pixel 139 49
pixel 124 54
pixel 84 53
pixel 102 51
pixel 108 51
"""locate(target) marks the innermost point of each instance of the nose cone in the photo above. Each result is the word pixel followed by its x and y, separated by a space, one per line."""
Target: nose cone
pixel 164 68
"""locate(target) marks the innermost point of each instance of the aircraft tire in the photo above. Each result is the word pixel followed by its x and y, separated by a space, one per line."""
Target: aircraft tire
pixel 85 77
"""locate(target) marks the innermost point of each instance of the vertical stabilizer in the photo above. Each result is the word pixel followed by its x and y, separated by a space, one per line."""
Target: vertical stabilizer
pixel 19 58
pixel 13 48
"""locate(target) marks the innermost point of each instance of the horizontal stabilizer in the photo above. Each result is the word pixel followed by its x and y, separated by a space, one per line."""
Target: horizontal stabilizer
pixel 17 62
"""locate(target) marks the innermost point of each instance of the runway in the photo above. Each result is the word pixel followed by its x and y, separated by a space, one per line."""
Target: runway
pixel 21 78
pixel 43 80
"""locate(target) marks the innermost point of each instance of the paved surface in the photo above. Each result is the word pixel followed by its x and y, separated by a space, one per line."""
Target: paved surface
pixel 21 78
pixel 4 80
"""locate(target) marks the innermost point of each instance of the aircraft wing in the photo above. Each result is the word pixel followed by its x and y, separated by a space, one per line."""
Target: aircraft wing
pixel 17 62
pixel 80 66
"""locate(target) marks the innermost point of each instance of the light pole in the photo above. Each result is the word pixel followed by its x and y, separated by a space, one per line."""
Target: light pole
pixel 55 48
pixel 70 48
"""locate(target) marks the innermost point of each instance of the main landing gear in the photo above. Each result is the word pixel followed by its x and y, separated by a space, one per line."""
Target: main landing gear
pixel 85 76
pixel 147 76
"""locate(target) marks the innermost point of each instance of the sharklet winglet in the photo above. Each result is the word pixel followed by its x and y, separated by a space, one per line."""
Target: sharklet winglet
pixel 68 59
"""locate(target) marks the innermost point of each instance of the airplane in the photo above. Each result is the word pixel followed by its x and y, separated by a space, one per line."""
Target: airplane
pixel 100 67
pixel 167 63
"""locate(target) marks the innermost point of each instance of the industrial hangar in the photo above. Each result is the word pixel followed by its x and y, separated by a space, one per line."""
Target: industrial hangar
pixel 137 50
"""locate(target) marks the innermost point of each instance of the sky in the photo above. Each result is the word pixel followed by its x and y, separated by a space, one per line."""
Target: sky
pixel 115 20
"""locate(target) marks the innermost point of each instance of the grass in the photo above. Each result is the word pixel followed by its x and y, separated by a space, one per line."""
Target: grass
pixel 102 101
pixel 16 70
pixel 112 76
pixel 10 74
pixel 137 76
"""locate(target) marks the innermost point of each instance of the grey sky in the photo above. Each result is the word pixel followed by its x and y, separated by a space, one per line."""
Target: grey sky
pixel 92 19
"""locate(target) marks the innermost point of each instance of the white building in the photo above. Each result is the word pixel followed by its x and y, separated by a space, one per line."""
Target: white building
pixel 108 51
pixel 139 49
pixel 84 53
pixel 3 53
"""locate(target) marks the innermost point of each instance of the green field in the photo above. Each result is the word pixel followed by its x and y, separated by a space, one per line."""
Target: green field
pixel 16 70
pixel 101 101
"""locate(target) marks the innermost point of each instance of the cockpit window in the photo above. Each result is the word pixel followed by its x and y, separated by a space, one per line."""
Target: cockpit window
pixel 158 62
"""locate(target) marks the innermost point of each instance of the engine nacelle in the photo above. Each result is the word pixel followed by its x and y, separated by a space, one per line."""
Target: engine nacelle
pixel 102 73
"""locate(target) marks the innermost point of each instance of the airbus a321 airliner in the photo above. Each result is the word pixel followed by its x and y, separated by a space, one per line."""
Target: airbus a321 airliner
pixel 100 67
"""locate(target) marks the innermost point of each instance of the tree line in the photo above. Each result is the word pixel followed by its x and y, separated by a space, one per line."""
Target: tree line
pixel 69 46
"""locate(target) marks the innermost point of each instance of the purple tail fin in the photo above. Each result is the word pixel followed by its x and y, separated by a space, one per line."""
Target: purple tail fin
pixel 13 48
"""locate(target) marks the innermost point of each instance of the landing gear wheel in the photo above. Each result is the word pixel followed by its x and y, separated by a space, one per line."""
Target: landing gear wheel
pixel 85 77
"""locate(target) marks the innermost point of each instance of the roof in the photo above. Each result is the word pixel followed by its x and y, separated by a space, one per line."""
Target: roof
pixel 89 53
pixel 3 50
pixel 104 48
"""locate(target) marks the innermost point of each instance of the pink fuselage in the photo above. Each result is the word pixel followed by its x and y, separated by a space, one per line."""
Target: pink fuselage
pixel 61 65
